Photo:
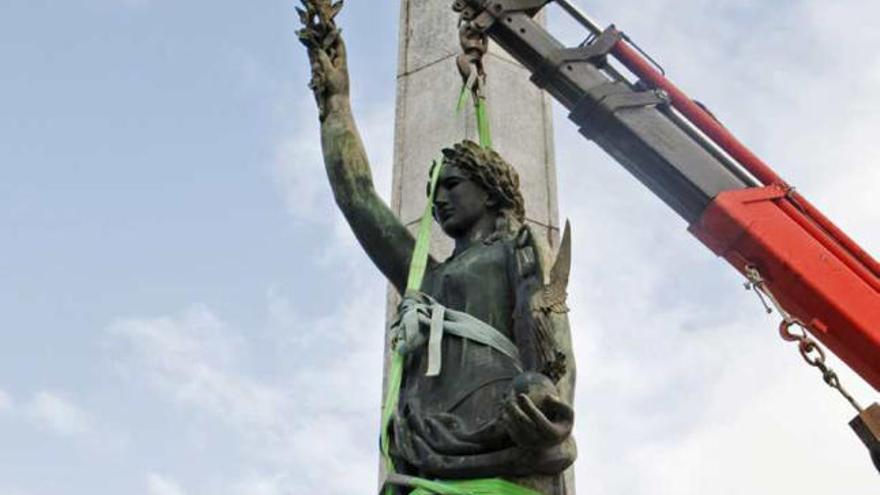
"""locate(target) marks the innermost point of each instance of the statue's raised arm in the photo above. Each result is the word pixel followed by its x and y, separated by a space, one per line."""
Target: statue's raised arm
pixel 382 235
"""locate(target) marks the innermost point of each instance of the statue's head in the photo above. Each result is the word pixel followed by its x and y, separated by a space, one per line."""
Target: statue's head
pixel 474 183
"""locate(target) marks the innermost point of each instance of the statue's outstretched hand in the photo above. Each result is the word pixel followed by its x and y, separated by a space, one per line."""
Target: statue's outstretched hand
pixel 326 51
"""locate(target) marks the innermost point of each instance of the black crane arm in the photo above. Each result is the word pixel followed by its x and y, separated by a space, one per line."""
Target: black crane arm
pixel 632 124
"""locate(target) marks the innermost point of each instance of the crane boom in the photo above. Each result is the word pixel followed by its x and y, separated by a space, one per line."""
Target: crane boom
pixel 734 203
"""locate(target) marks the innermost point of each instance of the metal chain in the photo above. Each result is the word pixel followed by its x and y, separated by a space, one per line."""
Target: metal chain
pixel 809 348
pixel 474 45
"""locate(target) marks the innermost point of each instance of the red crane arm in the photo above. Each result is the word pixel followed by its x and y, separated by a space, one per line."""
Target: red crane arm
pixel 820 275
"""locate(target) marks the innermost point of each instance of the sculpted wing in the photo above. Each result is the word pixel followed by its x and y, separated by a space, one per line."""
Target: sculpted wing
pixel 555 294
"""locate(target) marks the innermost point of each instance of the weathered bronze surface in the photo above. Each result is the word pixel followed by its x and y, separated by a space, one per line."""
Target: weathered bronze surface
pixel 485 414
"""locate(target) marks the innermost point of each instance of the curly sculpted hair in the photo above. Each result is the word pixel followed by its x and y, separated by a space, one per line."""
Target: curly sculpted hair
pixel 491 172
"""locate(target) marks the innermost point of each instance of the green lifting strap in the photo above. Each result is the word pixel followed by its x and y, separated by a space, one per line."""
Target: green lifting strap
pixel 483 122
pixel 395 376
pixel 470 487
pixel 419 262
pixel 481 110
pixel 417 267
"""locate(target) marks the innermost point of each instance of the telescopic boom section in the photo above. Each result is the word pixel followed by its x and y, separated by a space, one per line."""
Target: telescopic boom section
pixel 735 204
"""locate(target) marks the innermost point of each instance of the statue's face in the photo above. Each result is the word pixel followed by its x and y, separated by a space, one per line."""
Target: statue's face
pixel 459 203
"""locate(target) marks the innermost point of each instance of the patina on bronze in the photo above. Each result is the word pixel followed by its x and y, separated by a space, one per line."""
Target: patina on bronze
pixel 481 412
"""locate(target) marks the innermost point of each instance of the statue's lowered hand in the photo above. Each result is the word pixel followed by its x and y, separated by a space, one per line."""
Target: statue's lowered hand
pixel 533 414
pixel 534 427
pixel 326 50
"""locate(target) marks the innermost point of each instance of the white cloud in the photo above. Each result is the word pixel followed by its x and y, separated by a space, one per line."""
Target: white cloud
pixel 299 170
pixel 160 485
pixel 58 414
pixel 263 484
pixel 313 429
pixel 11 491
pixel 755 422
pixel 299 164
pixel 188 356
pixel 5 402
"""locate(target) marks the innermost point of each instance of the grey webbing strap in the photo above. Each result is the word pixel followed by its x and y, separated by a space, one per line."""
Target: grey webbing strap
pixel 435 339
pixel 441 320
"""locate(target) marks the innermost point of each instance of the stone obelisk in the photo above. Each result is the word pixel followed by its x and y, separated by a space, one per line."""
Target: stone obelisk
pixel 428 86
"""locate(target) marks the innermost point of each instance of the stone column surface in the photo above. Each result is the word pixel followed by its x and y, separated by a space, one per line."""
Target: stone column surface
pixel 428 86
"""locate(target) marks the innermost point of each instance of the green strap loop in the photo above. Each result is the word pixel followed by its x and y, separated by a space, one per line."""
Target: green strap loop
pixel 417 268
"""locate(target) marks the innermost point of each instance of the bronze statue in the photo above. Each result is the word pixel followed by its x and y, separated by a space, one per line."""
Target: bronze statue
pixel 490 394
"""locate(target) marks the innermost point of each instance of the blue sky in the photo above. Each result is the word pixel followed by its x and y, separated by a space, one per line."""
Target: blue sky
pixel 182 310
